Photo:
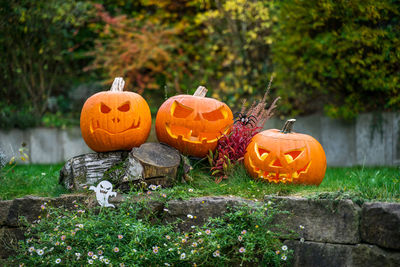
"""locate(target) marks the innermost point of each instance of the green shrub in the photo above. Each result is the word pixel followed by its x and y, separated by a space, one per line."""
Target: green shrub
pixel 235 59
pixel 132 236
pixel 341 56
pixel 41 45
pixel 13 116
pixel 60 120
pixel 24 117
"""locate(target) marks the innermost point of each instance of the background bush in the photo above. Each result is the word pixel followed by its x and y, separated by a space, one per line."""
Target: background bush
pixel 342 57
pixel 338 57
pixel 40 43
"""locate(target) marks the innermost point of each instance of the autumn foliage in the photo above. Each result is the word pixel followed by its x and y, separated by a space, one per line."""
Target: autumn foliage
pixel 141 52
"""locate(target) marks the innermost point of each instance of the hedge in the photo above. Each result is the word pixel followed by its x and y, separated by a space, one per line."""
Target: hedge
pixel 338 55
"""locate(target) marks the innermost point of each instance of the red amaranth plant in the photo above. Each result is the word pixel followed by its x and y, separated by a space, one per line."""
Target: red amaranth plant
pixel 232 147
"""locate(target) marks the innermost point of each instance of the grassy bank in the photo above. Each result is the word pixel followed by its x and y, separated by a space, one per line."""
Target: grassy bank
pixel 22 180
pixel 357 183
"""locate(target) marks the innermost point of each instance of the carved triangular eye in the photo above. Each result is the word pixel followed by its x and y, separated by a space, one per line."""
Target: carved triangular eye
pixel 215 115
pixel 104 108
pixel 292 155
pixel 262 153
pixel 124 107
pixel 180 111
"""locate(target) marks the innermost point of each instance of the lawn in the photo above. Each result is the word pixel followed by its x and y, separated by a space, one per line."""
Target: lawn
pixel 22 180
pixel 357 183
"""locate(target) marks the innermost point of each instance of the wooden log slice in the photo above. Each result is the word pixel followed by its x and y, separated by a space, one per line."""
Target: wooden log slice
pixel 158 160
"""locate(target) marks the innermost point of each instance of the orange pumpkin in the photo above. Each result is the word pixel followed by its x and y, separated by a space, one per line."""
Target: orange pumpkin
pixel 284 156
pixel 193 124
pixel 115 120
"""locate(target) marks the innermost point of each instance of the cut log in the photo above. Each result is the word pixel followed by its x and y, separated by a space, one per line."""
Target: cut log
pixel 126 174
pixel 151 163
pixel 160 162
pixel 88 169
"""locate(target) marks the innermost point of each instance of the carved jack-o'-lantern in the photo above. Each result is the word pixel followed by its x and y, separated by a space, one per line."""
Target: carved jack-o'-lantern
pixel 193 124
pixel 115 120
pixel 284 156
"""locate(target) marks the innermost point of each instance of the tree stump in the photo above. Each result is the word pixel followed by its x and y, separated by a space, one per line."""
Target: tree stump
pixel 160 163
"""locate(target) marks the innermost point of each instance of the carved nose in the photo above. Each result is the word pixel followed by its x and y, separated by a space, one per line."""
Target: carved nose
pixel 115 120
pixel 277 163
pixel 197 118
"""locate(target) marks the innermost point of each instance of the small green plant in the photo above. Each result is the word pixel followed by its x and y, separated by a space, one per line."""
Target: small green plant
pixel 132 235
pixel 6 167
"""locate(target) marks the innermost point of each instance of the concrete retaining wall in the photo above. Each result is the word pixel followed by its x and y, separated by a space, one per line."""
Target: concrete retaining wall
pixel 332 233
pixel 371 140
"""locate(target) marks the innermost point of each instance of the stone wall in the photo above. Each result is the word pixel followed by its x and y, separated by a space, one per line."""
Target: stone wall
pixel 371 140
pixel 332 233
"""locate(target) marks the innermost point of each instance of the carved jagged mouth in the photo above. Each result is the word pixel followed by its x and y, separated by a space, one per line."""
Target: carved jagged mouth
pixel 186 134
pixel 103 191
pixel 277 177
pixel 95 126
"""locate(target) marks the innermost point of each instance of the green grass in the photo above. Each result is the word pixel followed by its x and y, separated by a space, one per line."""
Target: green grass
pixel 22 180
pixel 357 183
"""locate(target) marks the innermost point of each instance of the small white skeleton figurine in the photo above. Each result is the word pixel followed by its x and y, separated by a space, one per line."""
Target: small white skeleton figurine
pixel 103 192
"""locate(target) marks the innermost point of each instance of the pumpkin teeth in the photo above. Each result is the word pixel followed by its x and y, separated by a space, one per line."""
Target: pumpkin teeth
pixel 185 134
pixel 194 134
pixel 96 126
pixel 303 170
pixel 277 177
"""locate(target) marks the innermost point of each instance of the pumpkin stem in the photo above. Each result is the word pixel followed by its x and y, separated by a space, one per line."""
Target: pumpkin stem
pixel 288 127
pixel 201 91
pixel 118 85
